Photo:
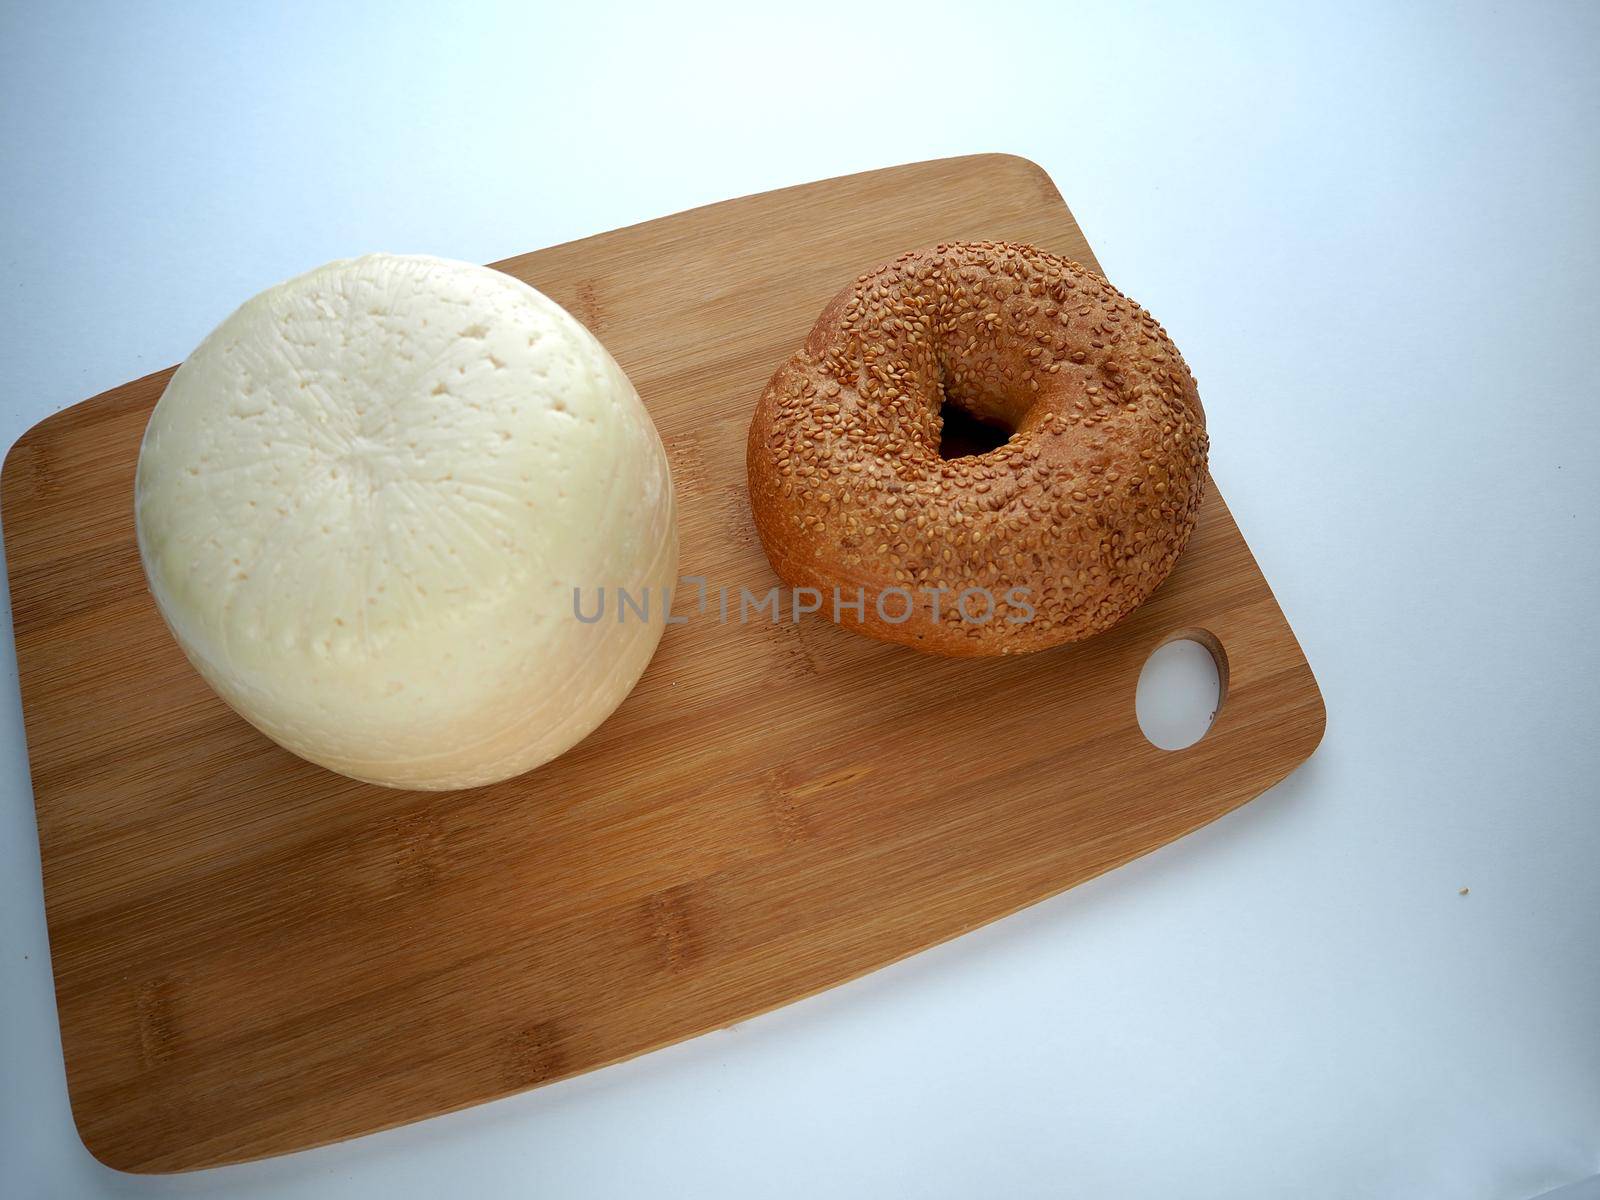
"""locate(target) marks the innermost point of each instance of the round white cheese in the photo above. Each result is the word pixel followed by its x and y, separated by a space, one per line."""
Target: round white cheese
pixel 365 503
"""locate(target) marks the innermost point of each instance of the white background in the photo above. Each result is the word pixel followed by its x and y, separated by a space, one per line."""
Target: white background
pixel 1373 231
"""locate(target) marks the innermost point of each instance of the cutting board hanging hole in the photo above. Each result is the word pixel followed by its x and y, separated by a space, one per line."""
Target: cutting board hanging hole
pixel 1181 689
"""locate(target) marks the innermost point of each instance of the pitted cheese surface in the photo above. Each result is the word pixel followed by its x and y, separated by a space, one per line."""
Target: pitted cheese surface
pixel 365 501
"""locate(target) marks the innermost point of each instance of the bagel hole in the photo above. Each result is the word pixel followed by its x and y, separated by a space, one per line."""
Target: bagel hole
pixel 963 435
pixel 1181 689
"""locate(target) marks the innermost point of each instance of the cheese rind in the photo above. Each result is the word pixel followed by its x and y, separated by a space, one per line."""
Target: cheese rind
pixel 364 504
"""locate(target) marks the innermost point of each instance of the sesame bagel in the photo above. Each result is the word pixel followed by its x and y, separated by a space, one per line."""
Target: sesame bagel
pixel 1053 536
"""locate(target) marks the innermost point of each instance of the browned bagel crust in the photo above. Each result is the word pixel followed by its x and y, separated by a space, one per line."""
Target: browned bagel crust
pixel 1087 506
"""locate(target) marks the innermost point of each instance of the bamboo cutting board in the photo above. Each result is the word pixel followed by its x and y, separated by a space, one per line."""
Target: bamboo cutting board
pixel 253 955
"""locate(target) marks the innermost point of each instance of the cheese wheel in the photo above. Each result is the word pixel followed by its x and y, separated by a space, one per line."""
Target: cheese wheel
pixel 370 503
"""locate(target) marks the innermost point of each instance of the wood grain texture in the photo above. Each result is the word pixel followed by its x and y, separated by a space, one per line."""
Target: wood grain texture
pixel 253 955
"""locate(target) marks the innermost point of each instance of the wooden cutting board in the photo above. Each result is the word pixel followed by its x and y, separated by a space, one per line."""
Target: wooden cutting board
pixel 253 955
